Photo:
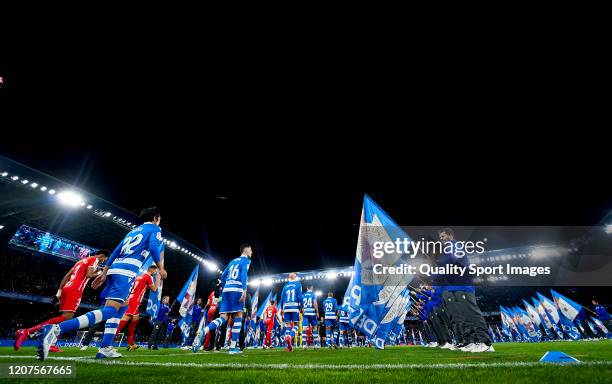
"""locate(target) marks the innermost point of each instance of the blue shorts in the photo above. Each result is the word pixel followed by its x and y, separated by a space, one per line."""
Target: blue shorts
pixel 117 287
pixel 309 320
pixel 331 323
pixel 345 326
pixel 230 302
pixel 291 316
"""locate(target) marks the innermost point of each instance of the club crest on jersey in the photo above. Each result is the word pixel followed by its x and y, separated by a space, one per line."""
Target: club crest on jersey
pixel 159 236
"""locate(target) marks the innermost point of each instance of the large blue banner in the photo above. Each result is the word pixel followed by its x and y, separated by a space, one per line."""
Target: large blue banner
pixel 264 305
pixel 376 301
pixel 568 310
pixel 553 315
pixel 186 298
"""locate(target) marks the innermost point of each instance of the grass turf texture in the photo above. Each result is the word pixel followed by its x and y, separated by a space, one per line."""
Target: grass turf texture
pixel 512 363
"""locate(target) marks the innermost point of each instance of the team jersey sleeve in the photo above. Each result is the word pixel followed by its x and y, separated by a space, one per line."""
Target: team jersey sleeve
pixel 224 276
pixel 299 295
pixel 245 271
pixel 155 245
pixel 115 253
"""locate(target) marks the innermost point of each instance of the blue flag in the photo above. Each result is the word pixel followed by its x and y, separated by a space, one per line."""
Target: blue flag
pixel 535 318
pixel 547 322
pixel 376 300
pixel 516 316
pixel 602 327
pixel 264 305
pixel 505 323
pixel 151 306
pixel 143 268
pixel 513 320
pixel 553 314
pixel 493 335
pixel 254 301
pixel 567 307
pixel 252 324
pixel 499 334
pixel 186 298
pixel 398 324
pixel 154 300
pixel 533 334
pixel 568 310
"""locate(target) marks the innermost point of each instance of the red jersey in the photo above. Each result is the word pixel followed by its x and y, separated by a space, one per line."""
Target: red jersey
pixel 269 313
pixel 211 302
pixel 78 278
pixel 139 288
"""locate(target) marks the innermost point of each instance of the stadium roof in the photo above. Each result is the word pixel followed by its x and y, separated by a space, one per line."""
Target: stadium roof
pixel 30 197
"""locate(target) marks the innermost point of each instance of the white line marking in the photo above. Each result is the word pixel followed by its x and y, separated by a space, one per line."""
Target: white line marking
pixel 311 366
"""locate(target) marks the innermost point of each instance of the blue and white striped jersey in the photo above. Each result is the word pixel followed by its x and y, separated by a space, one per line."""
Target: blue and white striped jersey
pixel 344 314
pixel 131 253
pixel 291 297
pixel 308 303
pixel 234 277
pixel 330 305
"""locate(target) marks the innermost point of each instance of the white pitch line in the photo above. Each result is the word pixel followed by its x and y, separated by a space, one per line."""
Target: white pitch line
pixel 312 366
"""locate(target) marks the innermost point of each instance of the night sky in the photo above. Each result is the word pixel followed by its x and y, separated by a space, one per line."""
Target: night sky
pixel 281 158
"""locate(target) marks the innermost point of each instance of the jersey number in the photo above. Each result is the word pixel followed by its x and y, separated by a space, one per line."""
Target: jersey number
pixel 308 302
pixel 234 271
pixel 328 307
pixel 130 243
pixel 291 295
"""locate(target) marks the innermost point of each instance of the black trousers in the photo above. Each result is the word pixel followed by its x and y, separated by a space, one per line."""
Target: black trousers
pixel 465 317
pixel 193 328
pixel 438 325
pixel 426 331
pixel 157 333
pixel 242 336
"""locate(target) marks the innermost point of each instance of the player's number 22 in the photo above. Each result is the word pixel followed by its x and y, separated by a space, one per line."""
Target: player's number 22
pixel 130 243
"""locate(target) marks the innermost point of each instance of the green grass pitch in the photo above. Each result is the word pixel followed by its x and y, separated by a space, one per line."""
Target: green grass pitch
pixel 512 363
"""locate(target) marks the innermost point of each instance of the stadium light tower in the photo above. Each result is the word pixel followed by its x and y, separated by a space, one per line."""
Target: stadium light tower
pixel 70 198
